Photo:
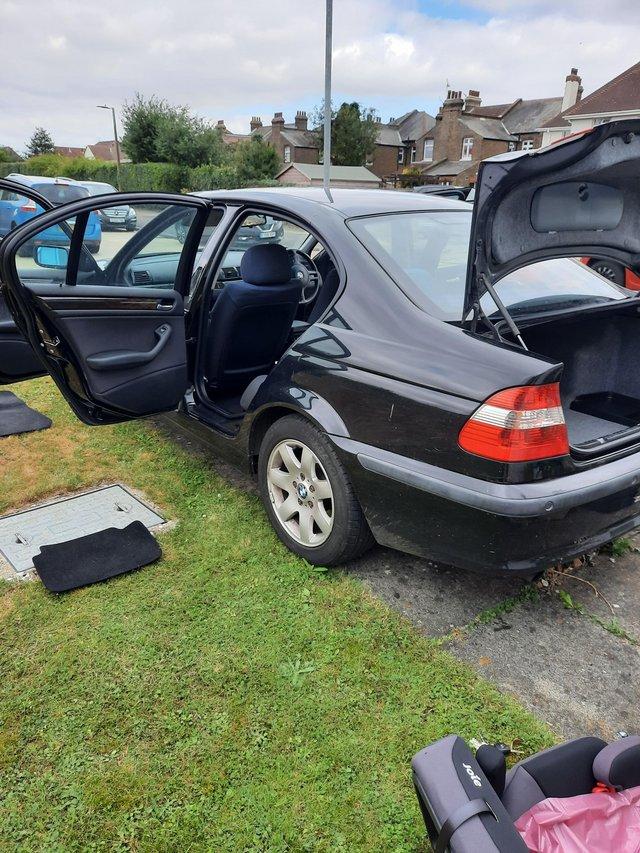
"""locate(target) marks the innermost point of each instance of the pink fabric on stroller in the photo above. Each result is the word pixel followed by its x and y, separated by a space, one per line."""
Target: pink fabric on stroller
pixel 589 823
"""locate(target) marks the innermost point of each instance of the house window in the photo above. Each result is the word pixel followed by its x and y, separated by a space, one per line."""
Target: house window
pixel 400 156
pixel 427 152
pixel 287 153
pixel 601 120
pixel 527 144
pixel 413 153
pixel 467 148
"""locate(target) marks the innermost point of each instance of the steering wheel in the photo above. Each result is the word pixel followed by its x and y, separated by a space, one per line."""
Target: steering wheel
pixel 304 270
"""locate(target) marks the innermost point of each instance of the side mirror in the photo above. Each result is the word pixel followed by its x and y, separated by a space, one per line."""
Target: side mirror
pixel 52 257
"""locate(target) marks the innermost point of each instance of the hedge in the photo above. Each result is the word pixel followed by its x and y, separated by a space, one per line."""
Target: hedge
pixel 135 177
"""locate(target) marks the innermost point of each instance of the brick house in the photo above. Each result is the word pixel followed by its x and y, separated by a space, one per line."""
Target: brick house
pixel 399 142
pixel 467 132
pixel 294 143
pixel 68 151
pixel 617 99
pixel 402 143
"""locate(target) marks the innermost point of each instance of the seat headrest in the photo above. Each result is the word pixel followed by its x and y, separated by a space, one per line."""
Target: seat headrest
pixel 618 764
pixel 266 264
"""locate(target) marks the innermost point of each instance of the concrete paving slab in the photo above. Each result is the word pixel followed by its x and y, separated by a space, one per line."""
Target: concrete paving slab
pixel 618 581
pixel 436 598
pixel 573 674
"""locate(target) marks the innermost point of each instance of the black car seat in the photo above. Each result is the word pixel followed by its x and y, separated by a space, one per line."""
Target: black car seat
pixel 251 319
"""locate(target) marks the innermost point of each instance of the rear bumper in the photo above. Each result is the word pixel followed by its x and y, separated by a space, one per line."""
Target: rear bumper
pixel 495 527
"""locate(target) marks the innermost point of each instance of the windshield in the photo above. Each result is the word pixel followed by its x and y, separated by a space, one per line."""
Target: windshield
pixel 425 253
pixel 61 193
pixel 100 189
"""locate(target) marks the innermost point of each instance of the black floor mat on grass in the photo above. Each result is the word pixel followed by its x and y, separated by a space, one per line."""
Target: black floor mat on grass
pixel 96 557
pixel 17 417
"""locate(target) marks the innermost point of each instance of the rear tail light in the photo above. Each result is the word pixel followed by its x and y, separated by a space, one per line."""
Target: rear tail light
pixel 28 206
pixel 518 425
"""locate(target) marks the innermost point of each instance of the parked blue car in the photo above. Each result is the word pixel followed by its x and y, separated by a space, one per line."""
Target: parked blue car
pixel 16 209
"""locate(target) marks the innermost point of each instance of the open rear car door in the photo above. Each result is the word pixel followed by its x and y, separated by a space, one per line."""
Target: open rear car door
pixel 110 329
pixel 577 198
pixel 18 361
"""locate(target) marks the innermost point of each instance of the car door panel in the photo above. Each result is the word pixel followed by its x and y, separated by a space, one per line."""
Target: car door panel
pixel 104 332
pixel 117 351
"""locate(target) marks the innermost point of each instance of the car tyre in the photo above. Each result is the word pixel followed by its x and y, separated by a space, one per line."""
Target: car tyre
pixel 614 272
pixel 349 535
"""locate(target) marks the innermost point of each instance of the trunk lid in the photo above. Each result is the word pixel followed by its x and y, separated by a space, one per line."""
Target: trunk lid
pixel 579 197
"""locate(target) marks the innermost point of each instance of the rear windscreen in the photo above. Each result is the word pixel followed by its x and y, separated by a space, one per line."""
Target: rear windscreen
pixel 61 193
pixel 425 253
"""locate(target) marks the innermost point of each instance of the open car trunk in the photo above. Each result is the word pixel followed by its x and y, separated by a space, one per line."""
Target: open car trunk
pixel 600 382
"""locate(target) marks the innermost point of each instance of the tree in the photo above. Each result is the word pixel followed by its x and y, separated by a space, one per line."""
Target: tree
pixel 353 133
pixel 255 160
pixel 40 143
pixel 156 131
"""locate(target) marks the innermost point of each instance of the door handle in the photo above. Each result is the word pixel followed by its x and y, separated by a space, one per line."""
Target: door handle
pixel 122 359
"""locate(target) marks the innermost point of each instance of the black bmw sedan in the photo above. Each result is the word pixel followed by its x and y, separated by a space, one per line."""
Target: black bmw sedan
pixel 442 379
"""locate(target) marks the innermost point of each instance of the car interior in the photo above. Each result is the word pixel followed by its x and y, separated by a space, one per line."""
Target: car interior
pixel 266 291
pixel 275 279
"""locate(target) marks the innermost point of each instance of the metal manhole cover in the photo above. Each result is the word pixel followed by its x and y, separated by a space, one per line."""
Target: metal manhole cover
pixel 23 533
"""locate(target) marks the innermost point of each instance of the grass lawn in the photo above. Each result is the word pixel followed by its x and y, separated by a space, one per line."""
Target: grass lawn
pixel 229 697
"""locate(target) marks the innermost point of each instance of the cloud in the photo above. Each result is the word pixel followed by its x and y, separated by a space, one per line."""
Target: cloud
pixel 235 58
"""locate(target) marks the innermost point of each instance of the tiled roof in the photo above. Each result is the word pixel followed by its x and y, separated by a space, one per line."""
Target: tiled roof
pixel 388 134
pixel 297 138
pixel 618 95
pixel 68 151
pixel 338 173
pixel 487 128
pixel 529 116
pixel 413 125
pixel 450 167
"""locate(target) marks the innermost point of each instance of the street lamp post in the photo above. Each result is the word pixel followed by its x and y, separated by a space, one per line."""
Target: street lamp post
pixel 115 137
pixel 327 98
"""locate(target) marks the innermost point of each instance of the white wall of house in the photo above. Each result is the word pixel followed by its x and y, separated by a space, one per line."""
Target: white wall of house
pixel 585 122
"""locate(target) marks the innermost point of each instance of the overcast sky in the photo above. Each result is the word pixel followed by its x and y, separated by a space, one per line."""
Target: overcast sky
pixel 232 59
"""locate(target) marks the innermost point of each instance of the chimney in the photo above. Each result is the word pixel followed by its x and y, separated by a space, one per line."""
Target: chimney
pixel 453 103
pixel 256 122
pixel 301 120
pixel 277 123
pixel 572 89
pixel 221 126
pixel 472 100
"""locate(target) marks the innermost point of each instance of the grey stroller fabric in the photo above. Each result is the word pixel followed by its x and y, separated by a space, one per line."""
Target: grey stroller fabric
pixel 16 417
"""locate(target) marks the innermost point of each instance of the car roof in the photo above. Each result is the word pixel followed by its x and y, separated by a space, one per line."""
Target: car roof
pixel 40 179
pixel 348 202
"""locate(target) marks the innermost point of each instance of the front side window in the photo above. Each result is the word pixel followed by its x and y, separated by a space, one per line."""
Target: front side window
pixel 467 148
pixel 425 253
pixel 427 153
pixel 256 229
pixel 146 257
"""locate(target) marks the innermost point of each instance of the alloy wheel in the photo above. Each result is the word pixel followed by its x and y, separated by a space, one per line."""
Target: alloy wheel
pixel 300 493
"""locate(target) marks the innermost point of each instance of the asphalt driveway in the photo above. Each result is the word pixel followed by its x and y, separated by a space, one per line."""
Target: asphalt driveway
pixel 567 647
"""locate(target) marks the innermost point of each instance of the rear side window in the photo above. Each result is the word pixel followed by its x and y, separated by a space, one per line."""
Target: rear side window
pixel 424 252
pixel 61 193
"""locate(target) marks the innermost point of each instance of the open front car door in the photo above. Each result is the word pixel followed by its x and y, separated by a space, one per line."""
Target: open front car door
pixel 108 327
pixel 18 361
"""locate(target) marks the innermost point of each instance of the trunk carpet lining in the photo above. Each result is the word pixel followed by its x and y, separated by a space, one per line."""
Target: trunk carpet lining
pixel 96 557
